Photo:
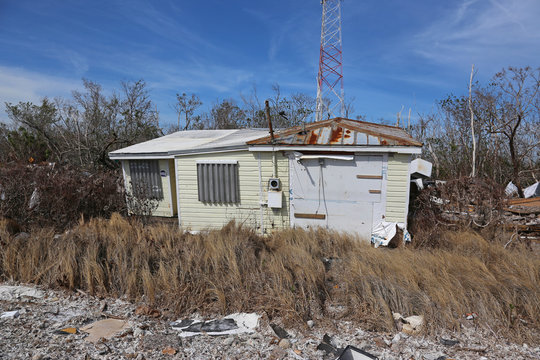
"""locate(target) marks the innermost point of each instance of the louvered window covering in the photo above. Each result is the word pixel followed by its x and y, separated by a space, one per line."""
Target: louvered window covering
pixel 218 181
pixel 146 179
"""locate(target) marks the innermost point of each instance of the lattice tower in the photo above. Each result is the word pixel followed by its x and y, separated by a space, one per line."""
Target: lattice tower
pixel 330 94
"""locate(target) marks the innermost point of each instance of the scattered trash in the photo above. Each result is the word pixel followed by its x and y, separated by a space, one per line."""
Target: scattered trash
pixel 385 231
pixel 409 325
pixel 239 323
pixel 9 293
pixel 168 351
pixel 104 329
pixel 353 353
pixel 511 189
pixel 10 314
pixel 435 356
pixel 380 342
pixel 34 199
pixel 471 316
pixel 329 346
pixel 279 331
pixel 228 341
pixel 284 343
pixel 148 311
pixel 448 342
pixel 310 323
pixel 66 331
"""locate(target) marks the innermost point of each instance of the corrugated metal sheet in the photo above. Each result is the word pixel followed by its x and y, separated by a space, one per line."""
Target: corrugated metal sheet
pixel 340 131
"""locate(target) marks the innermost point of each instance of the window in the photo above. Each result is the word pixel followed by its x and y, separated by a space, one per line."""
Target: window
pixel 218 181
pixel 146 179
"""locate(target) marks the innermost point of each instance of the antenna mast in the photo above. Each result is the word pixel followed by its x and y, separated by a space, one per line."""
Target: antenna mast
pixel 330 77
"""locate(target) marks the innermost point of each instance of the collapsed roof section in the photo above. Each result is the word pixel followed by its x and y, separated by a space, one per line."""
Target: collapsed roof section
pixel 339 131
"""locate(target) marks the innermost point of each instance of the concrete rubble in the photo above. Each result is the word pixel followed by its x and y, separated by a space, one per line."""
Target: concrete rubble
pixel 62 324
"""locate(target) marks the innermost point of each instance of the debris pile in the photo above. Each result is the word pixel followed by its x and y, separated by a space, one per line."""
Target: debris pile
pixel 61 324
pixel 478 204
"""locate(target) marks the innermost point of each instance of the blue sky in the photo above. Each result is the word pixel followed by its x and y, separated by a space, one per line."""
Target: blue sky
pixel 395 53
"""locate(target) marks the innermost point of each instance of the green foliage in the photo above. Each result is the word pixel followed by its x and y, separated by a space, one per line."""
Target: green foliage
pixel 80 131
pixel 27 146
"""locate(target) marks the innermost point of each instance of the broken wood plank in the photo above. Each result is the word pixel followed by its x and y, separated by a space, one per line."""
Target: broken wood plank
pixel 310 216
pixel 378 177
pixel 525 202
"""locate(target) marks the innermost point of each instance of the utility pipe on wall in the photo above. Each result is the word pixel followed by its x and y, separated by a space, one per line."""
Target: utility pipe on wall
pixel 270 128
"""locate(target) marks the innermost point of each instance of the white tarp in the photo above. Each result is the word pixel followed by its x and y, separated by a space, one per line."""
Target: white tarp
pixel 510 189
pixel 532 191
pixel 528 192
pixel 385 231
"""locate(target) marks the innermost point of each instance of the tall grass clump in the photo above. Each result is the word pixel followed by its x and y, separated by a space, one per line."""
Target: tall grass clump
pixel 296 274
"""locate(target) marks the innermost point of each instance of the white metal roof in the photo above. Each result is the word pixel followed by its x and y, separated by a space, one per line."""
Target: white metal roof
pixel 190 141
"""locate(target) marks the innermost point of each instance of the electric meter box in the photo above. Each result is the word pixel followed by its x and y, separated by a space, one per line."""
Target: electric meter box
pixel 275 199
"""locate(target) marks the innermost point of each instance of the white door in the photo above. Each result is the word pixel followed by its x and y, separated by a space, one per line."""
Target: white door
pixel 339 194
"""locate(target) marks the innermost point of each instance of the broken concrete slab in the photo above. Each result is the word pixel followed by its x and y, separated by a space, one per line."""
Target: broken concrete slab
pixel 107 329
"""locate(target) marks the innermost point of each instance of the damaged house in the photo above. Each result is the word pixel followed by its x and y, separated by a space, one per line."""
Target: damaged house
pixel 343 174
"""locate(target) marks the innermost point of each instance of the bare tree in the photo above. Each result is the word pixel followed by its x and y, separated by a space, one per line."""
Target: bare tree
pixel 187 105
pixel 82 130
pixel 349 107
pixel 473 138
pixel 510 104
pixel 227 115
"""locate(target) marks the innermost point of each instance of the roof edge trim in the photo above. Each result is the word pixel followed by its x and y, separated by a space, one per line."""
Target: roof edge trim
pixel 377 149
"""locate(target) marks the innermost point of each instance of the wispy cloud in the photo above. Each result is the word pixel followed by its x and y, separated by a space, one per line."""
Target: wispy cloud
pixel 484 32
pixel 167 25
pixel 17 84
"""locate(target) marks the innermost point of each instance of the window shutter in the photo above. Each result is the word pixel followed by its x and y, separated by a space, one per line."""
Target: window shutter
pixel 218 182
pixel 145 178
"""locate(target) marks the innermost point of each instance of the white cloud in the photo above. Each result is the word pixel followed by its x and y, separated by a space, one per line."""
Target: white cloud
pixel 17 84
pixel 488 33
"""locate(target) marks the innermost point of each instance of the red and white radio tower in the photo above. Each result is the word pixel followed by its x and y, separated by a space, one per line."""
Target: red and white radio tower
pixel 330 77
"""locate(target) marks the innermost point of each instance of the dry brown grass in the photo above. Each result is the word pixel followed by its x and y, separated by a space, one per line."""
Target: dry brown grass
pixel 236 270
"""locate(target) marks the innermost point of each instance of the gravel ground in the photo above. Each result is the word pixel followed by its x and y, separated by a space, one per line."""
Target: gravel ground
pixel 32 333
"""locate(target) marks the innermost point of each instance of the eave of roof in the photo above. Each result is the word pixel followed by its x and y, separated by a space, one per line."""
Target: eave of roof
pixel 189 142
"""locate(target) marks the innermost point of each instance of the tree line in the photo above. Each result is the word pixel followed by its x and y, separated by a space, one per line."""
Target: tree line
pixel 491 131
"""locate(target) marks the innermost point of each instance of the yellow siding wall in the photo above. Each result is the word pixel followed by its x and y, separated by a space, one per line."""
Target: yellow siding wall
pixel 165 206
pixel 397 187
pixel 196 215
